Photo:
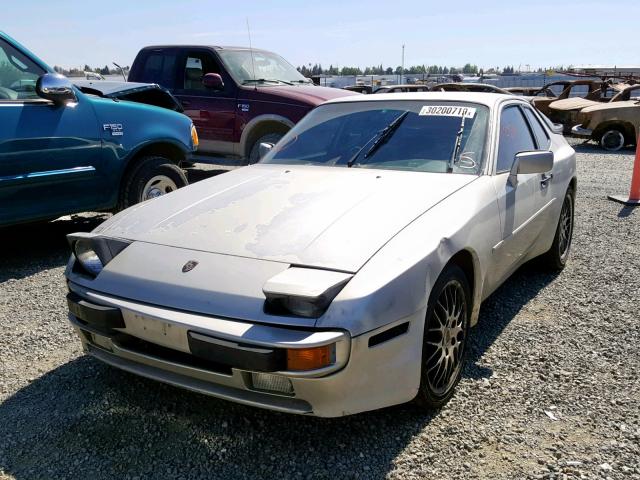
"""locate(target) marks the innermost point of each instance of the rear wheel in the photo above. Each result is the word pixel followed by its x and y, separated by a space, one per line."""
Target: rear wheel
pixel 151 177
pixel 557 256
pixel 445 337
pixel 254 153
pixel 612 140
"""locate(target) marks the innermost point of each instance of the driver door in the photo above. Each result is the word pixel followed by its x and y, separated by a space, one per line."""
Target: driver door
pixel 213 112
pixel 49 154
pixel 518 198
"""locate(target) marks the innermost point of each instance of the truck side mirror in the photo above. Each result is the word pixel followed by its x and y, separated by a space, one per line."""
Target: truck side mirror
pixel 57 88
pixel 213 81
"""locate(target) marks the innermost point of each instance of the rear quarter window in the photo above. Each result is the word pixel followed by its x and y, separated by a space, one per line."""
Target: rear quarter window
pixel 158 67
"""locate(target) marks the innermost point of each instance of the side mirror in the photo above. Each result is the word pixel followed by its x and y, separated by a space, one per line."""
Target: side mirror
pixel 57 88
pixel 533 162
pixel 213 81
pixel 264 148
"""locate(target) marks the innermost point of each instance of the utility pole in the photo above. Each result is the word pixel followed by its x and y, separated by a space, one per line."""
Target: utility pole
pixel 402 67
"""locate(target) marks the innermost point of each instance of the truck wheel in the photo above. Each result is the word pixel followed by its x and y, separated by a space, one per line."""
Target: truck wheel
pixel 151 177
pixel 254 153
pixel 612 140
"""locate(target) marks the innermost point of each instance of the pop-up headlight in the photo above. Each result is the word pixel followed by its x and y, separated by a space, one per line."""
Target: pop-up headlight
pixel 304 292
pixel 93 252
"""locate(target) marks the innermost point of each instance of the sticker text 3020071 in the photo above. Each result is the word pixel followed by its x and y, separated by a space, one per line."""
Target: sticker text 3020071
pixel 448 111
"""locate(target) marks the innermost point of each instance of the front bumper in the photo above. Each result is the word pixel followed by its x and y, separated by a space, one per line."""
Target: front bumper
pixel 158 343
pixel 579 131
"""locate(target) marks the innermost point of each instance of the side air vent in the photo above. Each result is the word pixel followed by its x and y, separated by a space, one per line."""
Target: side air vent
pixel 388 334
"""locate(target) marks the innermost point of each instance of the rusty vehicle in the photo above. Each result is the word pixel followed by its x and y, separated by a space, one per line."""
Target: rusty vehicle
pixel 565 89
pixel 364 89
pixel 543 91
pixel 566 111
pixel 613 125
pixel 577 95
pixel 469 87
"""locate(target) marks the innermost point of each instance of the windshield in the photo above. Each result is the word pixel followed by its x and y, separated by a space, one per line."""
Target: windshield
pixel 269 67
pixel 429 136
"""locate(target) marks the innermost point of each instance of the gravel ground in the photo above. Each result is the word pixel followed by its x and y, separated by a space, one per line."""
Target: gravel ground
pixel 551 388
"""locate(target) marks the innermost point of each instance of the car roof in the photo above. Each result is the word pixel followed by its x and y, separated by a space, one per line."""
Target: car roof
pixel 214 47
pixel 489 99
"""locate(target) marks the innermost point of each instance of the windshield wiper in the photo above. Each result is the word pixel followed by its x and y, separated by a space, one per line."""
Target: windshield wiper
pixel 456 146
pixel 265 80
pixel 380 138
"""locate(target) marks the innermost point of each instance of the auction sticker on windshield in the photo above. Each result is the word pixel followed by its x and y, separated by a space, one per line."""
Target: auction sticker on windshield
pixel 448 111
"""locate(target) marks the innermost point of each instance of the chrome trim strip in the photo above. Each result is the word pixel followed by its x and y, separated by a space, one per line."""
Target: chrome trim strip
pixel 48 173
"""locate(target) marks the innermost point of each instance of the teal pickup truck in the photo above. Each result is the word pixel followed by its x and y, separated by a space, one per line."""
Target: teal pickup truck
pixel 94 146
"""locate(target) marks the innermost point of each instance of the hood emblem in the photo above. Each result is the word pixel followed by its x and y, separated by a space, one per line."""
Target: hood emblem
pixel 190 265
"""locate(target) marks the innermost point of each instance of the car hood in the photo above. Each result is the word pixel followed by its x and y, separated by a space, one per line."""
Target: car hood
pixel 575 103
pixel 111 89
pixel 611 106
pixel 328 217
pixel 310 94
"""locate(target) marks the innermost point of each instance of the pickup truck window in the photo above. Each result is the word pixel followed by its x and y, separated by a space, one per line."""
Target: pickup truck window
pixel 269 67
pixel 159 67
pixel 197 65
pixel 18 75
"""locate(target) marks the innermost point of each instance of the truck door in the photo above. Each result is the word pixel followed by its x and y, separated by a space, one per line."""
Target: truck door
pixel 50 155
pixel 213 112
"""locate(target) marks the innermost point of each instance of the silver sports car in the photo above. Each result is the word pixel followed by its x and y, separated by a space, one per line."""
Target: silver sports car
pixel 342 272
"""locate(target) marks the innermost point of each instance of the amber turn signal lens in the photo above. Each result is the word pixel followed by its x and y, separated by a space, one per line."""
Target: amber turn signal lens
pixel 194 137
pixel 309 358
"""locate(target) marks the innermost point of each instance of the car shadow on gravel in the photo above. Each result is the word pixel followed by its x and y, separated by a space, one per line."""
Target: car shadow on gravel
pixel 500 308
pixel 87 420
pixel 29 249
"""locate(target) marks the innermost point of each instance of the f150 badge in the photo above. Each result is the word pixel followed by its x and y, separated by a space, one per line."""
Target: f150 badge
pixel 114 128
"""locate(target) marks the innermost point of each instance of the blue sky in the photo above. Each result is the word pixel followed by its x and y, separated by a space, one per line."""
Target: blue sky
pixel 485 32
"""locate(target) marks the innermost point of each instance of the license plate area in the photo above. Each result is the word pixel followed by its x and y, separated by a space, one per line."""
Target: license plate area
pixel 156 331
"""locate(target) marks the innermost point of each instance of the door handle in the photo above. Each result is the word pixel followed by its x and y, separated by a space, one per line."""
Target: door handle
pixel 185 103
pixel 546 178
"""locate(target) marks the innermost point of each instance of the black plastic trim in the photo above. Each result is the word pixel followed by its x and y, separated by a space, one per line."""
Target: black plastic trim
pixel 95 315
pixel 387 335
pixel 237 355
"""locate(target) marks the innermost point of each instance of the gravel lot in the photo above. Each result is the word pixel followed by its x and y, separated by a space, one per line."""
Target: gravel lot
pixel 551 389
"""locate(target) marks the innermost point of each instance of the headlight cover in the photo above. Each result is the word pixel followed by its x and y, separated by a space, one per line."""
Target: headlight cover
pixel 93 252
pixel 87 256
pixel 303 292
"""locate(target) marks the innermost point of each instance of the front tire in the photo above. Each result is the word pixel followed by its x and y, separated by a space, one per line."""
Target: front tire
pixel 151 177
pixel 558 255
pixel 445 338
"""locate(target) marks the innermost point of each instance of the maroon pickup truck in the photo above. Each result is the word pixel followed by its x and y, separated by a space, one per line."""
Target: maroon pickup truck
pixel 236 97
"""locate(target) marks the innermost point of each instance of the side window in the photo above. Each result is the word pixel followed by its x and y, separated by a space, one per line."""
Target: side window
pixel 159 67
pixel 18 75
pixel 515 137
pixel 197 65
pixel 542 139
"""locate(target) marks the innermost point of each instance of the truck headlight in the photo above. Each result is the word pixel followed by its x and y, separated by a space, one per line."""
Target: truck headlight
pixel 303 292
pixel 93 252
